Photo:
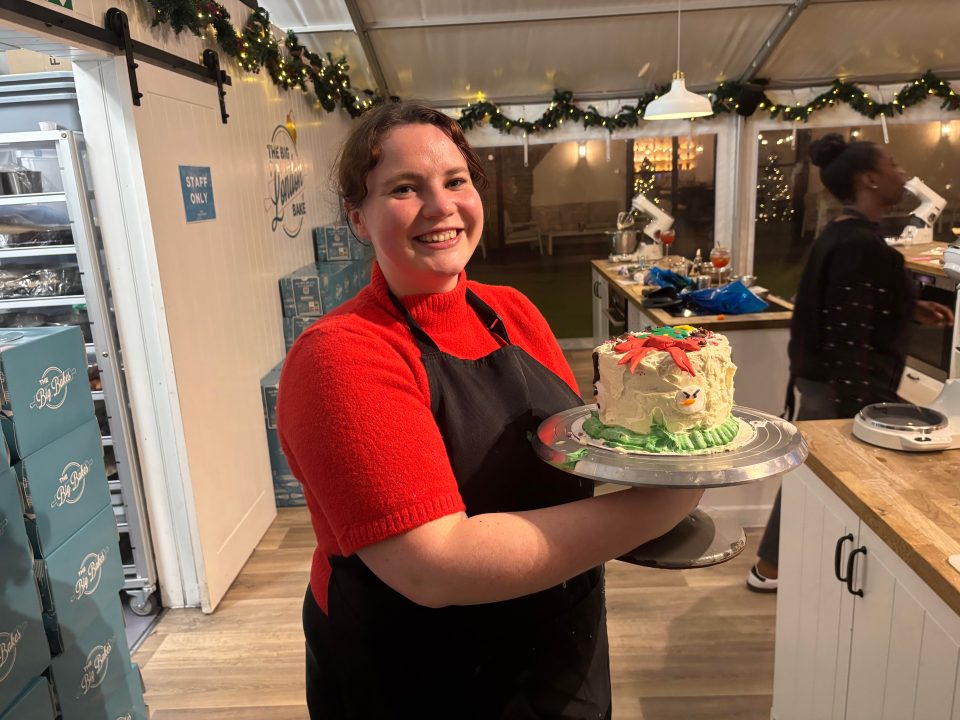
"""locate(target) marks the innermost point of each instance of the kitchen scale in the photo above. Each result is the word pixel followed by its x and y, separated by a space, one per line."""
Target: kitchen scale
pixel 913 428
pixel 703 538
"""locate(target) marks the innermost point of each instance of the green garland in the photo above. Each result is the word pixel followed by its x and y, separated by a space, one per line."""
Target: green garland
pixel 254 47
pixel 727 98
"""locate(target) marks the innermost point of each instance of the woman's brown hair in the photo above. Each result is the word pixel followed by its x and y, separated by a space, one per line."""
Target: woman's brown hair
pixel 362 149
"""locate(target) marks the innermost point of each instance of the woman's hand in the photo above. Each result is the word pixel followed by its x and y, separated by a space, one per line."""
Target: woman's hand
pixel 932 314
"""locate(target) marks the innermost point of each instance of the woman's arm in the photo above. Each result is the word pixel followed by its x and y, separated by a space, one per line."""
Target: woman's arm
pixel 932 314
pixel 457 560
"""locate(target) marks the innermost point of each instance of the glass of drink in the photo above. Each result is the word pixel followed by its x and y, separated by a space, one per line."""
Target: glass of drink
pixel 719 258
pixel 667 237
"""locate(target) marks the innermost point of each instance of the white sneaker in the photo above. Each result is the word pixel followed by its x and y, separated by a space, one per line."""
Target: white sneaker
pixel 758 583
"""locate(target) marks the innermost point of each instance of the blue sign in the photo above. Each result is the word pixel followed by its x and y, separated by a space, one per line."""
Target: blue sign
pixel 197 186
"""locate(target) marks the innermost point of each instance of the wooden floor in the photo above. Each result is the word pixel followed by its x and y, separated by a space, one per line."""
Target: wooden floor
pixel 690 645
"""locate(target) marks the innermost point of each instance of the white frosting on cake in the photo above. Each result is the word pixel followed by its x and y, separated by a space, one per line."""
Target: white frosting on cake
pixel 660 392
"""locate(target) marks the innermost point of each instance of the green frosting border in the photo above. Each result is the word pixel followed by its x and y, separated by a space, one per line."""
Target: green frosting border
pixel 661 440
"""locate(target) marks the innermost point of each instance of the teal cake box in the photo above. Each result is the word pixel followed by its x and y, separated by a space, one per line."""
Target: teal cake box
pixel 80 579
pixel 23 647
pixel 45 391
pixel 269 387
pixel 293 327
pixel 300 292
pixel 93 668
pixel 63 486
pixel 126 702
pixel 36 703
pixel 331 244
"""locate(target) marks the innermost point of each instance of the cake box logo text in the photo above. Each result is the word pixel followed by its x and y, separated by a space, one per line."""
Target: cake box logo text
pixel 72 483
pixel 52 392
pixel 95 669
pixel 8 650
pixel 285 200
pixel 88 576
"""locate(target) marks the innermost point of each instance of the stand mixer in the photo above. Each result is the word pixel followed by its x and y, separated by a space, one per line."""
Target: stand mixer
pixel 659 222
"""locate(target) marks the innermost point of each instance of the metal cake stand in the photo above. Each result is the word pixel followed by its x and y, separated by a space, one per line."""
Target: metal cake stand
pixel 702 538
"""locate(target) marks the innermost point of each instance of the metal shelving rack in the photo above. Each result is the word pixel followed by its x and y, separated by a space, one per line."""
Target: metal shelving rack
pixel 126 487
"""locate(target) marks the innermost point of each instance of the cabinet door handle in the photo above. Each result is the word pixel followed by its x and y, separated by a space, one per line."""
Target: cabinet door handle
pixel 836 556
pixel 911 376
pixel 596 288
pixel 850 561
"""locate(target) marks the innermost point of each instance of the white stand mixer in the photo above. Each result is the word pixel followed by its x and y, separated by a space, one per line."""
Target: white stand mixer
pixel 659 222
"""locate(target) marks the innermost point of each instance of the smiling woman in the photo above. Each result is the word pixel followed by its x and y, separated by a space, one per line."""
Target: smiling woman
pixel 445 549
pixel 423 213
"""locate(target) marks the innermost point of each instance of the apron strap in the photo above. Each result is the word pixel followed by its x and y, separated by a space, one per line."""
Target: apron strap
pixel 420 337
pixel 426 343
pixel 489 316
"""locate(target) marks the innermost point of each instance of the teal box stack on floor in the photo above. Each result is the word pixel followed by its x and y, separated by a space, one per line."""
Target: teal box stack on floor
pixel 57 496
pixel 286 488
pixel 24 654
pixel 341 270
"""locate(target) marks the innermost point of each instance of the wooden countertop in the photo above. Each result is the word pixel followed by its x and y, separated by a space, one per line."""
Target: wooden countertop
pixel 722 323
pixel 911 500
pixel 926 258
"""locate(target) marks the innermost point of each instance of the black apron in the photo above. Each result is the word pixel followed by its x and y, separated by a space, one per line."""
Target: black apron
pixel 378 655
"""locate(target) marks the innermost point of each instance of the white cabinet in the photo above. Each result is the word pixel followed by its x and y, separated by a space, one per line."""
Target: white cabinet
pixel 859 635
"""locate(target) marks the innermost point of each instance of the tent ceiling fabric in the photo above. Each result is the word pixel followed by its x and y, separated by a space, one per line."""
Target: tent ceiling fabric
pixel 880 38
pixel 447 51
pixel 531 59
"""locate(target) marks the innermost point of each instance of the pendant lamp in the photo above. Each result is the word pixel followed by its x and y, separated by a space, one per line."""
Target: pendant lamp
pixel 679 103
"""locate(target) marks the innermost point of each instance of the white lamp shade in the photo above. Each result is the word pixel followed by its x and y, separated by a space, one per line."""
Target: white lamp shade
pixel 678 104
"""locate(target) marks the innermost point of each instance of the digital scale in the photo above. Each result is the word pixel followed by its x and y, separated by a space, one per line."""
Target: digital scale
pixel 913 428
pixel 701 539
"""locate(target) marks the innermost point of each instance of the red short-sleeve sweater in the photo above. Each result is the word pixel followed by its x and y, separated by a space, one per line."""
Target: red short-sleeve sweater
pixel 354 411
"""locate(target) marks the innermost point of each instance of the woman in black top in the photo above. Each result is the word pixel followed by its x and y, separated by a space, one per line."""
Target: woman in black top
pixel 852 312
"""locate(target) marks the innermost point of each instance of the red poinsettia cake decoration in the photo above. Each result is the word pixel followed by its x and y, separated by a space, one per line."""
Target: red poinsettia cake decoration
pixel 636 348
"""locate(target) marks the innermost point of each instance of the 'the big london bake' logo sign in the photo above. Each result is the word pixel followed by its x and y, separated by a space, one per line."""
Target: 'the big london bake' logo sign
pixel 285 200
pixel 52 392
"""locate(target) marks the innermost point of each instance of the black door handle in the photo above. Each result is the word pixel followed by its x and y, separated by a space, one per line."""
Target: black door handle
pixel 836 556
pixel 850 561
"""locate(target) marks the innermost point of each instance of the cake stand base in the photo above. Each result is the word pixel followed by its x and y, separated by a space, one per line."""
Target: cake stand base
pixel 700 540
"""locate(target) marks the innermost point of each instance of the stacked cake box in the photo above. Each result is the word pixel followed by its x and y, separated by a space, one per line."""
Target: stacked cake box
pixel 341 269
pixel 56 494
pixel 24 654
pixel 286 488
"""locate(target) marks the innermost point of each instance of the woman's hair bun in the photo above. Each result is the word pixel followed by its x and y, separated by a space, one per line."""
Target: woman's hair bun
pixel 827 149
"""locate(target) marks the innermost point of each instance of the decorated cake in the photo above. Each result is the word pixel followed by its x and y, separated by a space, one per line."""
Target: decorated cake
pixel 667 390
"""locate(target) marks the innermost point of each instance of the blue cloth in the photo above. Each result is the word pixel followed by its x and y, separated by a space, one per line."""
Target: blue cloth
pixel 668 278
pixel 732 299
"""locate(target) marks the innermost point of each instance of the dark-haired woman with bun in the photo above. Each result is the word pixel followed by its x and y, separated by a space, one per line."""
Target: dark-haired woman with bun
pixel 853 309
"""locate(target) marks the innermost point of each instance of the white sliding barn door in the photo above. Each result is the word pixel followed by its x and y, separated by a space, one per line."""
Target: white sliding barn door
pixel 219 286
